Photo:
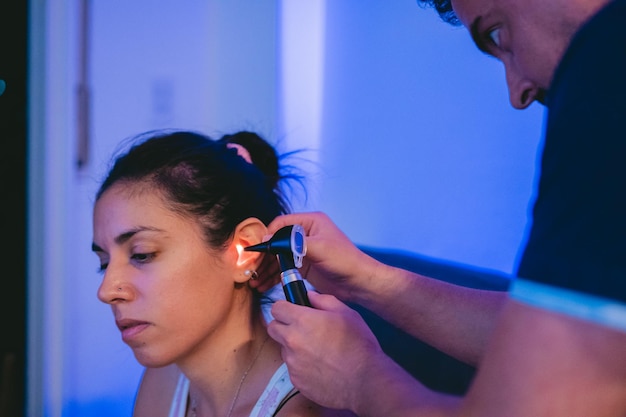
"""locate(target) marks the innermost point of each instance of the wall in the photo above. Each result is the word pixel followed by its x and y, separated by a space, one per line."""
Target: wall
pixel 420 148
pixel 412 144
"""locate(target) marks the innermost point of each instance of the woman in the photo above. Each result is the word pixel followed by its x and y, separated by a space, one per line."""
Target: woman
pixel 170 220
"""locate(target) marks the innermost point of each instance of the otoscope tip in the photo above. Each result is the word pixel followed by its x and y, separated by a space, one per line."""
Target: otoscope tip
pixel 260 247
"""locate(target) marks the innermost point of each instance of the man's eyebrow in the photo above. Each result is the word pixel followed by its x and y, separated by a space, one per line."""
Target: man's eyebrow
pixel 477 37
pixel 125 236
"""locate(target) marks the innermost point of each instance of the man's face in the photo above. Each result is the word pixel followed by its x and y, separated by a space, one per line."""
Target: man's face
pixel 528 36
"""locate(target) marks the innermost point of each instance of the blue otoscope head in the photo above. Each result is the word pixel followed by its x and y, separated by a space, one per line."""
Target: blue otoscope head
pixel 288 244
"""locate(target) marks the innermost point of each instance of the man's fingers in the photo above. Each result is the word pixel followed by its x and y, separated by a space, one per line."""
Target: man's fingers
pixel 325 301
pixel 282 221
pixel 268 274
pixel 287 312
pixel 306 220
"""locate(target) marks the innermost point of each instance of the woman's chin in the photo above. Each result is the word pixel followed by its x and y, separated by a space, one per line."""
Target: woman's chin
pixel 151 361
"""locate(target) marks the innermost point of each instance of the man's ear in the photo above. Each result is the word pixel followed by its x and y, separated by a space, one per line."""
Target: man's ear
pixel 247 233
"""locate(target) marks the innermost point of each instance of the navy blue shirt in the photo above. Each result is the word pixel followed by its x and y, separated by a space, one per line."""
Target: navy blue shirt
pixel 578 235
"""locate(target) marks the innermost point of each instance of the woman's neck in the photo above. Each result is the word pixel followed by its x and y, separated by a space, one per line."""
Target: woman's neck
pixel 229 372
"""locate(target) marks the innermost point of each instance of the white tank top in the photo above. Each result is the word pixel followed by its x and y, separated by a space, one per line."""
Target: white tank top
pixel 276 391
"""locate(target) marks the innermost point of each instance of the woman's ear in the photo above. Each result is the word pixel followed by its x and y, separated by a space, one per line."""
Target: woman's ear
pixel 247 233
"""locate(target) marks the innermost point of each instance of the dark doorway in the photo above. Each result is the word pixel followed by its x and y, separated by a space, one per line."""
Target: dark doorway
pixel 13 168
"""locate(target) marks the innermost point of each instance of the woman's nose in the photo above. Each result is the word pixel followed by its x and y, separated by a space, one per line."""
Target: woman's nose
pixel 114 288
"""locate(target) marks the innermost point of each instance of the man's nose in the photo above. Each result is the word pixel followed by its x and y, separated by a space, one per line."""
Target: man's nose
pixel 522 92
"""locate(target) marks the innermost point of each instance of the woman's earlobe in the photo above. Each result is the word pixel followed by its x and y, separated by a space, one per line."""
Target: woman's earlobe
pixel 251 274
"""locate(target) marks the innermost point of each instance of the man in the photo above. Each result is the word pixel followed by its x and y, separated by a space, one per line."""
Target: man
pixel 556 344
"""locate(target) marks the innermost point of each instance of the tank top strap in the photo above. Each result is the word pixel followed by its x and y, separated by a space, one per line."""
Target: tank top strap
pixel 277 390
pixel 179 400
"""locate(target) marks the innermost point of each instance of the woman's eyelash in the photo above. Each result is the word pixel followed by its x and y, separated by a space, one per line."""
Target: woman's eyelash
pixel 137 257
pixel 143 257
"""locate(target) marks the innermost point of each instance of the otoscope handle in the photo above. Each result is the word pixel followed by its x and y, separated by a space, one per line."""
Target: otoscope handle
pixel 295 290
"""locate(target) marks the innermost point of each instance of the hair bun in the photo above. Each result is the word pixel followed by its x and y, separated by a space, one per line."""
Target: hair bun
pixel 263 155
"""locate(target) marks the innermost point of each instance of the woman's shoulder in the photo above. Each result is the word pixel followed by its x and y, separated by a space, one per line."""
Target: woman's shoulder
pixel 156 391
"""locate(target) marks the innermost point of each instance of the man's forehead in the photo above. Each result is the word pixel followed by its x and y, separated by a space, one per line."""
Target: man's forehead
pixel 469 10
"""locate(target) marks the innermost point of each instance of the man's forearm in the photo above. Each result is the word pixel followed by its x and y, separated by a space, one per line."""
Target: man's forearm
pixel 454 319
pixel 541 363
pixel 385 389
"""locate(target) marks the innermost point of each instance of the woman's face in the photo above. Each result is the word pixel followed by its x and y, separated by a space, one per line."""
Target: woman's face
pixel 169 292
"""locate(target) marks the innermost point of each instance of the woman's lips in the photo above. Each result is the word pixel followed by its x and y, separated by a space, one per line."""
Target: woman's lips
pixel 131 328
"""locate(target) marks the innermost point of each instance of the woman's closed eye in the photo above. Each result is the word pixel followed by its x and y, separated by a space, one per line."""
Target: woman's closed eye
pixel 143 258
pixel 138 258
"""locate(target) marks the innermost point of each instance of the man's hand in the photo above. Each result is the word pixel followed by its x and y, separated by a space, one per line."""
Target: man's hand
pixel 327 348
pixel 333 264
pixel 336 361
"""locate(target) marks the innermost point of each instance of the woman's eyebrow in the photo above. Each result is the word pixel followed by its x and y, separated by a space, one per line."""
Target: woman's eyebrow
pixel 125 236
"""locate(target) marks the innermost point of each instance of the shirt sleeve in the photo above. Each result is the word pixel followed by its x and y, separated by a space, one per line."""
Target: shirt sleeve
pixel 600 310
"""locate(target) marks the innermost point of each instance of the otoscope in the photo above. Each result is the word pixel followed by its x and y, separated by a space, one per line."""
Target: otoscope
pixel 289 246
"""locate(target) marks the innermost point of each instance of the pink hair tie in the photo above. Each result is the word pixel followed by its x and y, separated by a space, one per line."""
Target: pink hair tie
pixel 241 151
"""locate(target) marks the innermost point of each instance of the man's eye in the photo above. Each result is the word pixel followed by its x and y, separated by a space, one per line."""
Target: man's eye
pixel 494 36
pixel 103 267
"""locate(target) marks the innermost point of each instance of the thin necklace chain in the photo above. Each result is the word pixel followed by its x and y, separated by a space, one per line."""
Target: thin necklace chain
pixel 194 404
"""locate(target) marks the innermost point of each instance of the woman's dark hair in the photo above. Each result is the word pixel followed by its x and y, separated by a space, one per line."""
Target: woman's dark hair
pixel 205 179
pixel 444 8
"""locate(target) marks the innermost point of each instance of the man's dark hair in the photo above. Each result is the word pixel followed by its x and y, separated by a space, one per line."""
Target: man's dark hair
pixel 444 8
